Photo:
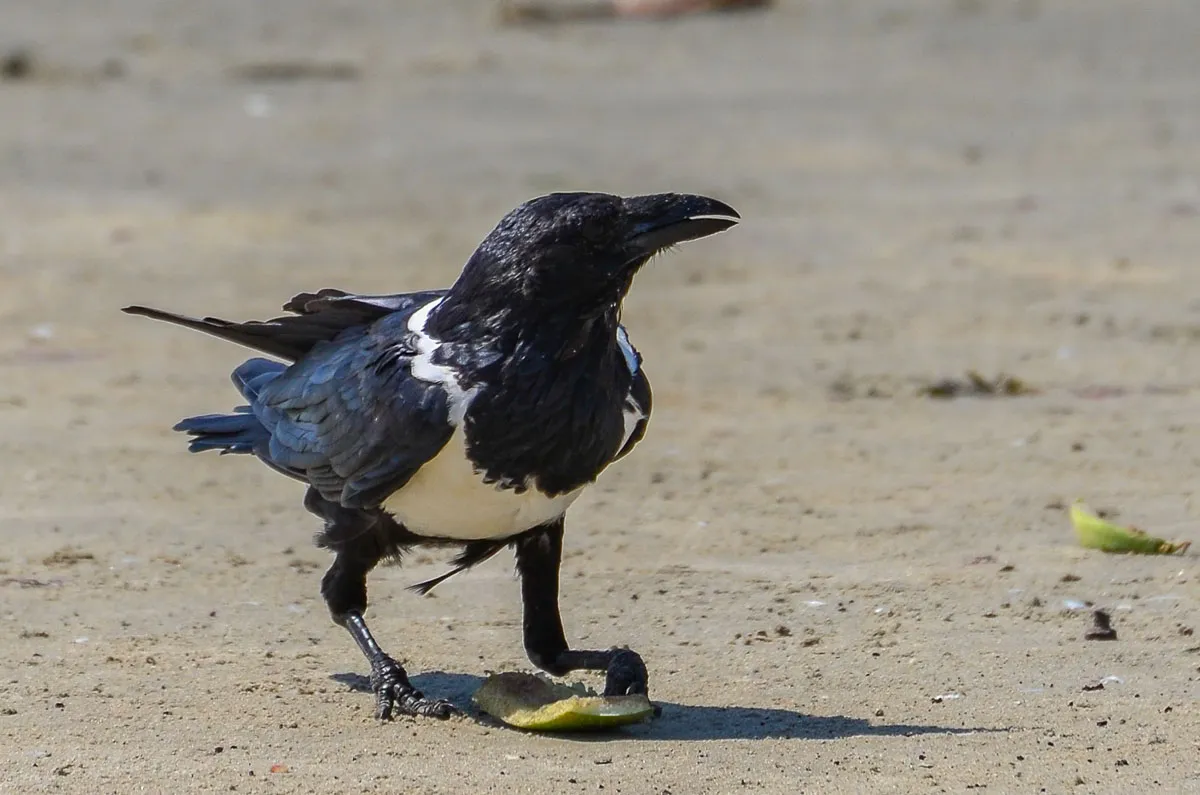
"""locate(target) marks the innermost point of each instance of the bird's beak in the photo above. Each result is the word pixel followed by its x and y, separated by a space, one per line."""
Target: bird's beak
pixel 665 219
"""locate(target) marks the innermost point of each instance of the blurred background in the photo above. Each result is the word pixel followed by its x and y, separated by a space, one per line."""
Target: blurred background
pixel 929 187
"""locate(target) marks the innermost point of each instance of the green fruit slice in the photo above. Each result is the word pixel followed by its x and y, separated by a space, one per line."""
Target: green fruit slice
pixel 527 701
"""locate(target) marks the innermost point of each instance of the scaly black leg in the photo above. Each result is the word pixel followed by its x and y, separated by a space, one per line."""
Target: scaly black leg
pixel 393 692
pixel 360 540
pixel 539 555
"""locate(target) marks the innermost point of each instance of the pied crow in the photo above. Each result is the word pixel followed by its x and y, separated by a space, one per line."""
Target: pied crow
pixel 472 416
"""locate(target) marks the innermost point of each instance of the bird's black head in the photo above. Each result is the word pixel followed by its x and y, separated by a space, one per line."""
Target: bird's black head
pixel 574 254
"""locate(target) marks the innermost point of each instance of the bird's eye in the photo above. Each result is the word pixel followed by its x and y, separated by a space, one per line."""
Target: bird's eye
pixel 590 230
pixel 595 229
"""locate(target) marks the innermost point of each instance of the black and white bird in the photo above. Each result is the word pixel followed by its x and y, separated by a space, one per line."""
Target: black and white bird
pixel 472 416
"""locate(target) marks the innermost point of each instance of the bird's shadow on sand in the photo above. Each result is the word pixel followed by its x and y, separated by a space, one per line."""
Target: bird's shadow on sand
pixel 689 722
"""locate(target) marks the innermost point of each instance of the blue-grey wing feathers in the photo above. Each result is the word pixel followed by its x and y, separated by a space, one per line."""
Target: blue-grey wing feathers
pixel 348 418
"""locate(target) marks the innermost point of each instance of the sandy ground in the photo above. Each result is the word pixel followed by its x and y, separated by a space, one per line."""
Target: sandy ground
pixel 839 585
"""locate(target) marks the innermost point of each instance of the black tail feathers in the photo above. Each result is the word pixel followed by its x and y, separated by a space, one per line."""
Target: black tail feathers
pixel 241 432
pixel 229 433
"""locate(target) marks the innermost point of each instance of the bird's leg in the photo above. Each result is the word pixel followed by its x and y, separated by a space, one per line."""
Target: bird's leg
pixel 539 554
pixel 393 692
pixel 354 535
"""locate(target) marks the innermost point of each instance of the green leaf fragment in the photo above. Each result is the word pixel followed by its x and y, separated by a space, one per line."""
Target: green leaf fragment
pixel 1095 533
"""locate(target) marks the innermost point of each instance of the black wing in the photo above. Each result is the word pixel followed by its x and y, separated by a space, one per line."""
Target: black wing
pixel 350 418
pixel 317 317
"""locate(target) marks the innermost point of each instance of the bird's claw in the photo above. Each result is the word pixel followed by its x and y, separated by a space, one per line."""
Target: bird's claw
pixel 395 695
pixel 392 701
pixel 626 674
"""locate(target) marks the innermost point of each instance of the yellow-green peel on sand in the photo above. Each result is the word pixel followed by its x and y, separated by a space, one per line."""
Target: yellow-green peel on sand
pixel 527 701
pixel 1095 533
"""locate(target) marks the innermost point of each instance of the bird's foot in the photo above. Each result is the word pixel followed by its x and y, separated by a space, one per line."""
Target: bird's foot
pixel 394 694
pixel 626 674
